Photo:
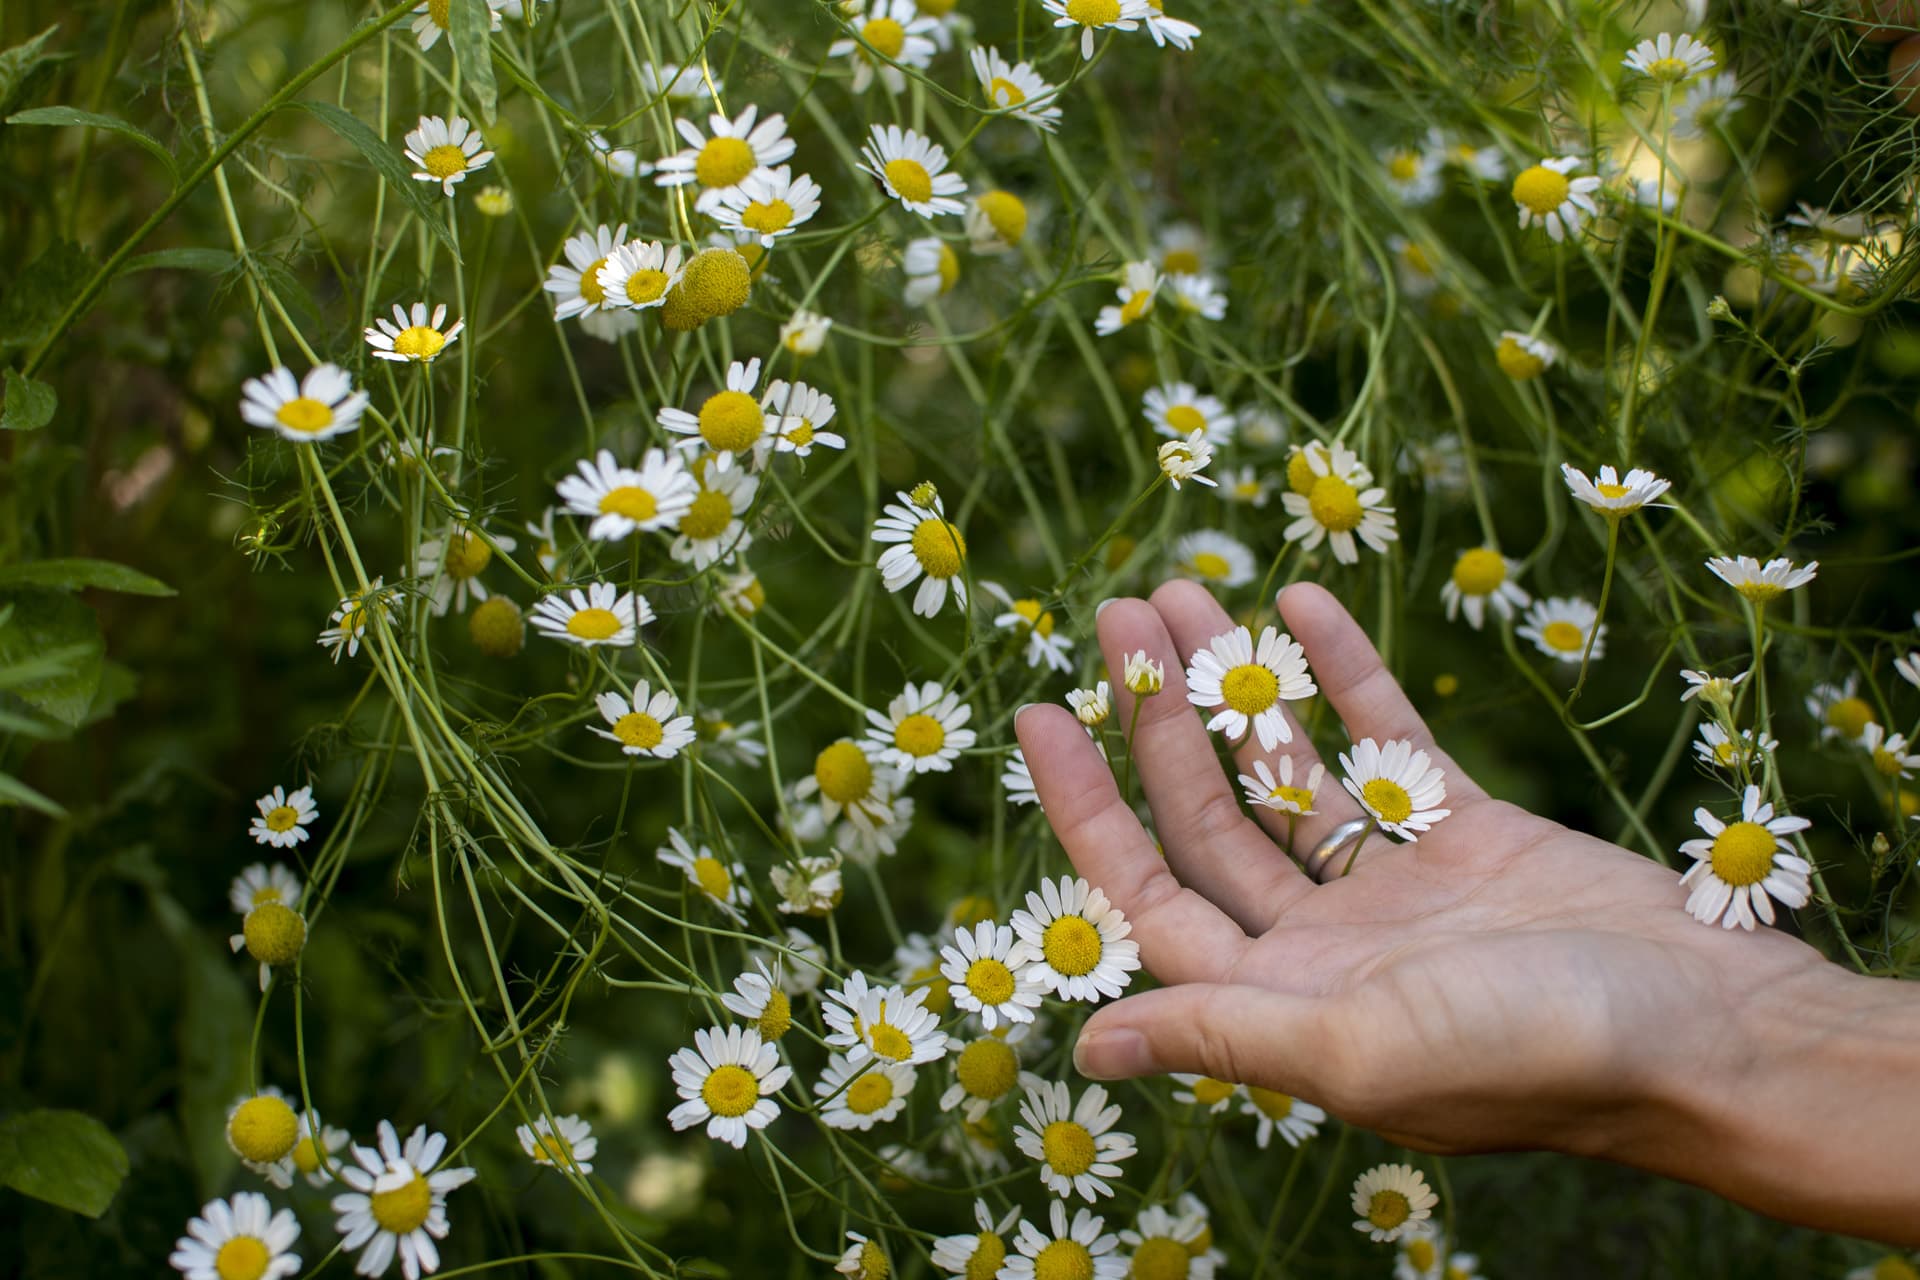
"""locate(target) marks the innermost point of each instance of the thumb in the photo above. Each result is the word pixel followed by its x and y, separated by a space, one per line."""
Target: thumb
pixel 1242 1035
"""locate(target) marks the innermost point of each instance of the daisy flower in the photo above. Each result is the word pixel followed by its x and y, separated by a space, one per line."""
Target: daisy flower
pixel 1096 15
pixel 770 203
pixel 320 405
pixel 1143 675
pixel 1027 617
pixel 1342 504
pixel 263 1129
pixel 730 423
pixel 1721 750
pixel 864 1259
pixel 434 17
pixel 602 614
pixel 1165 1243
pixel 1425 1255
pixel 1482 579
pixel 1209 556
pixel 284 819
pixel 648 726
pixel 1278 793
pixel 625 500
pixel 240 1237
pixel 1544 194
pixel 1016 88
pixel 997 221
pixel 725 886
pixel 863 1096
pixel 1668 58
pixel 913 170
pixel 1612 496
pixel 1392 1200
pixel 1017 780
pixel 1396 785
pixel 1484 163
pixel 1091 707
pixel 985 1070
pixel 271 930
pixel 916 966
pixel 1888 751
pixel 931 267
pixel 759 996
pixel 445 151
pixel 1078 940
pixel 1198 296
pixel 1559 628
pixel 621 162
pixel 1413 173
pixel 1707 105
pixel 977 1254
pixel 1168 31
pixel 1840 710
pixel 1178 410
pixel 886 1022
pixel 1182 460
pixel 1139 282
pixel 260 884
pixel 1181 249
pixel 453 562
pixel 313 1154
pixel 725 1082
pixel 1295 1121
pixel 416 335
pixel 682 86
pixel 1210 1095
pixel 398 1202
pixel 1715 689
pixel 636 276
pixel 923 730
pixel 1081 1251
pixel 723 161
pixel 1249 682
pixel 846 779
pixel 1762 583
pixel 711 532
pixel 985 971
pixel 351 615
pixel 805 333
pixel 575 284
pixel 1075 1143
pixel 1741 868
pixel 799 412
pixel 565 1143
pixel 890 32
pixel 922 541
pixel 1522 357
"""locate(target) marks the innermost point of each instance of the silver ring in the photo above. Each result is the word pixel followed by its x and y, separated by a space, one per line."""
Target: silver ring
pixel 1334 842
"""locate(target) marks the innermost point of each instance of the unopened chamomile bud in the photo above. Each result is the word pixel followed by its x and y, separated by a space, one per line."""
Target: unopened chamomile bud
pixel 1091 706
pixel 1145 677
pixel 924 494
pixel 1718 309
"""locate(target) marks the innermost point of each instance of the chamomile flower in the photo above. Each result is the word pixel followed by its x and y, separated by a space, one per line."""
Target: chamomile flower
pixel 1485 164
pixel 575 284
pixel 1091 707
pixel 565 1143
pixel 725 1082
pixel 1210 1095
pixel 1016 88
pixel 1183 460
pixel 1246 485
pixel 1741 868
pixel 809 885
pixel 260 883
pixel 434 18
pixel 916 966
pixel 656 495
pixel 1171 1244
pixel 889 1022
pixel 984 968
pixel 446 151
pixel 890 32
pixel 1143 675
pixel 923 731
pixel 1392 1200
pixel 1248 683
pixel 241 1238
pixel 1168 31
pixel 398 1202
pixel 985 1070
pixel 1523 357
pixel 1139 284
pixel 1888 752
pixel 1197 296
pixel 263 1129
pixel 721 162
pixel 319 406
pixel 679 86
pixel 913 170
pixel 283 820
pixel 352 615
pixel 859 1097
pixel 452 563
pixel 1544 195
pixel 1076 1144
pixel 1721 750
pixel 313 1154
pixel 272 930
pixel 1426 1255
pixel 602 614
pixel 415 335
pixel 848 777
pixel 805 332
pixel 1295 1121
pixel 977 1254
pixel 1017 780
pixel 1278 793
pixel 1178 410
pixel 931 267
pixel 1397 785
pixel 864 1259
pixel 1560 626
pixel 1180 249
pixel 1715 689
pixel 1483 579
pixel 924 546
pixel 1613 496
pixel 621 162
pixel 1762 583
pixel 1341 505
pixel 1027 617
pixel 770 203
pixel 1096 15
pixel 1209 556
pixel 799 413
pixel 730 424
pixel 1668 58
pixel 997 222
pixel 711 531
pixel 1412 173
pixel 1708 105
pixel 637 275
pixel 648 726
pixel 1078 940
pixel 1840 710
pixel 759 996
pixel 724 885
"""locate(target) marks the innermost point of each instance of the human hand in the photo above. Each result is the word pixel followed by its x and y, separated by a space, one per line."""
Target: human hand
pixel 1504 982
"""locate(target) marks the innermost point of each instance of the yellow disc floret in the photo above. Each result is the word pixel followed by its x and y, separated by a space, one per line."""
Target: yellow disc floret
pixel 939 548
pixel 305 415
pixel 1743 854
pixel 1479 572
pixel 1388 1209
pixel 990 981
pixel 1160 1258
pixel 730 1090
pixel 843 772
pixel 444 161
pixel 1068 1147
pixel 1071 946
pixel 1540 189
pixel 1335 504
pixel 274 933
pixel 242 1258
pixel 910 180
pixel 1250 688
pixel 919 735
pixel 1850 716
pixel 730 422
pixel 593 624
pixel 496 627
pixel 1388 799
pixel 263 1129
pixel 987 1068
pixel 1006 213
pixel 723 162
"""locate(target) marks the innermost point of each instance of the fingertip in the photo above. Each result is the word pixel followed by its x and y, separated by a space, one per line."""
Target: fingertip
pixel 1112 1053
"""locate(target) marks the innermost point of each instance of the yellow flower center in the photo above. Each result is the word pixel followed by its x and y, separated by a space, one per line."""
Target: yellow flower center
pixel 1668 69
pixel 1298 797
pixel 1403 166
pixel 711 875
pixel 949 268
pixel 1036 618
pixel 1541 189
pixel 441 12
pixel 800 435
pixel 304 414
pixel 405 1208
pixel 282 818
pixel 1388 799
pixel 1893 1267
pixel 444 161
pixel 873 1262
pixel 767 217
pixel 1301 476
pixel 242 1258
pixel 1210 564
pixel 972 909
pixel 936 8
pixel 987 1068
pixel 467 554
pixel 590 283
pixel 1416 259
pixel 1208 1092
pixel 1180 262
pixel 1068 1147
pixel 274 933
pixel 1160 1258
pixel 990 981
pixel 886 36
pixel 730 1090
pixel 723 162
pixel 1064 1259
pixel 910 180
pixel 928 978
pixel 1887 764
pixel 645 286
pixel 1093 13
pixel 1850 716
pixel 496 629
pixel 554 1149
pixel 1743 854
pixel 777 1018
pixel 887 1040
pixel 1072 946
pixel 306 1155
pixel 1186 419
pixel 868 1094
pixel 1613 491
pixel 1335 504
pixel 708 517
pixel 1250 688
pixel 919 735
pixel 989 1250
pixel 1725 752
pixel 1564 636
pixel 1761 592
pixel 1006 214
pixel 593 624
pixel 1136 306
pixel 263 1129
pixel 730 421
pixel 1421 1254
pixel 1388 1209
pixel 1516 361
pixel 939 548
pixel 1275 1106
pixel 843 772
pixel 1479 572
pixel 638 729
pixel 631 501
pixel 419 342
pixel 1003 92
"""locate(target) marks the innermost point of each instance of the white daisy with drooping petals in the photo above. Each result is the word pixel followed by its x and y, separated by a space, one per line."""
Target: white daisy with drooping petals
pixel 923 731
pixel 730 424
pixel 759 995
pixel 319 406
pixel 1721 750
pixel 723 884
pixel 452 561
pixel 888 1022
pixel 892 34
pixel 602 614
pixel 769 203
pixel 1611 495
pixel 446 151
pixel 1076 1144
pixel 1392 1200
pixel 987 1247
pixel 722 161
pixel 924 546
pixel 626 500
pixel 1139 285
pixel 575 284
pixel 913 170
pixel 985 969
pixel 1742 868
pixel 1483 579
pixel 417 335
pixel 1248 683
pixel 1762 583
pixel 1560 626
pixel 650 725
pixel 859 1097
pixel 1078 940
pixel 1341 504
pixel 1277 792
pixel 1097 15
pixel 1543 195
pixel 637 275
pixel 239 1237
pixel 725 1082
pixel 565 1143
pixel 398 1202
pixel 798 412
pixel 1168 31
pixel 1669 58
pixel 1016 88
pixel 1396 784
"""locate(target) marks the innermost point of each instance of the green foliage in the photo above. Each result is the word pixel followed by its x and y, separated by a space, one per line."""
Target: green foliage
pixel 66 1158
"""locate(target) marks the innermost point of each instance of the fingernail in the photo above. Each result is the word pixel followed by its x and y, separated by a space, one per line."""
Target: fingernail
pixel 1120 1054
pixel 1022 707
pixel 1102 607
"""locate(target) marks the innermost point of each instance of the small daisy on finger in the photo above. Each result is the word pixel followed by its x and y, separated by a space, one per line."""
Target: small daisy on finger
pixel 602 614
pixel 415 336
pixel 1143 675
pixel 1544 195
pixel 445 151
pixel 1278 793
pixel 725 886
pixel 1076 1144
pixel 1249 683
pixel 1482 579
pixel 913 171
pixel 1762 583
pixel 1091 707
pixel 1096 15
pixel 1396 784
pixel 284 819
pixel 1559 627
pixel 725 1082
pixel 859 1097
pixel 984 968
pixel 565 1143
pixel 238 1237
pixel 977 1255
pixel 648 726
pixel 1392 1200
pixel 1741 868
pixel 730 423
pixel 1078 941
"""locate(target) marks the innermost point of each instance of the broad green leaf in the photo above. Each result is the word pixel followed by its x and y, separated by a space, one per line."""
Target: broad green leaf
pixel 216 261
pixel 14 791
pixel 65 1158
pixel 44 620
pixel 94 120
pixel 73 575
pixel 20 62
pixel 46 665
pixel 34 299
pixel 388 163
pixel 30 404
pixel 470 22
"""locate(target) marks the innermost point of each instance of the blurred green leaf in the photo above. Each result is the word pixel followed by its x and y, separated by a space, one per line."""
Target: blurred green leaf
pixel 470 23
pixel 30 404
pixel 216 261
pixel 71 116
pixel 388 163
pixel 34 300
pixel 14 791
pixel 44 620
pixel 21 61
pixel 72 575
pixel 66 1158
